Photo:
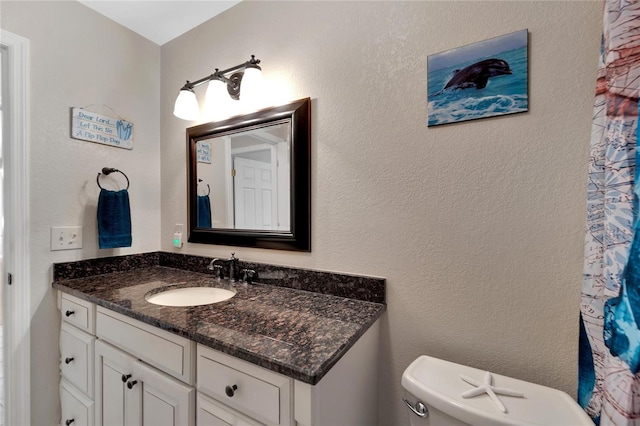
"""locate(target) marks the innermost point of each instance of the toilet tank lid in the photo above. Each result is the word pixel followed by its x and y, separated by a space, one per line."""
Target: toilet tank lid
pixel 437 384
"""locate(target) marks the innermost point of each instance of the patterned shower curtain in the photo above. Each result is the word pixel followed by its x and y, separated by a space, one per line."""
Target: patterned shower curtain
pixel 609 383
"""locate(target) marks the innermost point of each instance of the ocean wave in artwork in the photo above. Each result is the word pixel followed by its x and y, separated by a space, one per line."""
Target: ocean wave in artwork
pixel 447 110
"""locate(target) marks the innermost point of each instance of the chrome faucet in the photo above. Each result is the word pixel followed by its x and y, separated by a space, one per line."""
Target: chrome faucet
pixel 233 265
pixel 213 266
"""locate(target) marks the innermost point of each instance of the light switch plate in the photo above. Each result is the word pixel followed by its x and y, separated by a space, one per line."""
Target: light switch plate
pixel 66 237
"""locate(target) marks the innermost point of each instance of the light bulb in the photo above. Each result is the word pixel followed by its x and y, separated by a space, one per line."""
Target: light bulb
pixel 251 88
pixel 216 100
pixel 186 106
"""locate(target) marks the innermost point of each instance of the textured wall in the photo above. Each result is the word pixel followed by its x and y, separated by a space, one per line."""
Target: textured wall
pixel 79 58
pixel 478 227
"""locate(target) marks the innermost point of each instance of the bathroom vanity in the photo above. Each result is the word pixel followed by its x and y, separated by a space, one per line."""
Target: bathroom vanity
pixel 270 355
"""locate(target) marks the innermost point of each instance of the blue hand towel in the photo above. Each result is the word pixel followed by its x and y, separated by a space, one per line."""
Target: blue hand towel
pixel 114 219
pixel 204 211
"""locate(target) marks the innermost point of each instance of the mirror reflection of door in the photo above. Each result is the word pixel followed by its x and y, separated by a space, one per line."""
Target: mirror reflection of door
pixel 248 174
pixel 255 190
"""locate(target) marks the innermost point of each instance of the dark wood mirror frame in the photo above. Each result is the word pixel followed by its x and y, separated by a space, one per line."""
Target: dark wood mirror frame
pixel 298 238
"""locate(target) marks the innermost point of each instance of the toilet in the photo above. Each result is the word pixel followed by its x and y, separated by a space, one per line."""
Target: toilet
pixel 442 393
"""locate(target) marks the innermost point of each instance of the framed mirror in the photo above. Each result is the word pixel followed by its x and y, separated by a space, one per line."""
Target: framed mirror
pixel 249 179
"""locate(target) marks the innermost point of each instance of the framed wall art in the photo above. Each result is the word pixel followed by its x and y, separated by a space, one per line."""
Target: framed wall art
pixel 479 80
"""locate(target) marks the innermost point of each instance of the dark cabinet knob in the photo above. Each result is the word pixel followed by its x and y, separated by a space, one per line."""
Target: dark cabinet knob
pixel 125 377
pixel 230 390
pixel 69 313
pixel 130 385
pixel 69 421
pixel 68 360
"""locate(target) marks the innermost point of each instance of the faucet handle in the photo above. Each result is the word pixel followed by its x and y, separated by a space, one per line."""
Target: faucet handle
pixel 218 269
pixel 249 275
pixel 233 256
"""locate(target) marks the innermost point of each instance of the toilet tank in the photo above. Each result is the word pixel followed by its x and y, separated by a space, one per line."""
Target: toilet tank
pixel 438 385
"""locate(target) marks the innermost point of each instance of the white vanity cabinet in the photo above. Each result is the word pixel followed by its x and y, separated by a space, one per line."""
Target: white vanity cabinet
pixel 126 372
pixel 77 341
pixel 129 391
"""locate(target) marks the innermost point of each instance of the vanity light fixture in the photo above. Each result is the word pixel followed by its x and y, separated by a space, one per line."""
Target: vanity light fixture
pixel 249 74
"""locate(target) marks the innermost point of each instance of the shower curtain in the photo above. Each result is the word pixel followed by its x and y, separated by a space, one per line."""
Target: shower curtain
pixel 609 362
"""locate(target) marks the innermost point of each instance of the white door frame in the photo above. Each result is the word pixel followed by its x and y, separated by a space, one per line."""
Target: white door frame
pixel 16 297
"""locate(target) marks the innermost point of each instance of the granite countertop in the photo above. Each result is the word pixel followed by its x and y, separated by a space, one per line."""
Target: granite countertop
pixel 296 333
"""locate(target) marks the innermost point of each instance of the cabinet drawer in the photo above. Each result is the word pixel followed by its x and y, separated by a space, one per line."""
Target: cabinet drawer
pixel 76 409
pixel 78 312
pixel 260 393
pixel 76 363
pixel 212 413
pixel 168 352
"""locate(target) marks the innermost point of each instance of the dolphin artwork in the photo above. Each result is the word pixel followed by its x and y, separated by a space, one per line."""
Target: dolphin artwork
pixel 477 75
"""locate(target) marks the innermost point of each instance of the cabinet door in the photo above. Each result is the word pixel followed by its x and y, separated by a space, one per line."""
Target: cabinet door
pixel 165 401
pixel 114 400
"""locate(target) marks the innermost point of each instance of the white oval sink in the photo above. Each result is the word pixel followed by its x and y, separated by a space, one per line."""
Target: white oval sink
pixel 190 296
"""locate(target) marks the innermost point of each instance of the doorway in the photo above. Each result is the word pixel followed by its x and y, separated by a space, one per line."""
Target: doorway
pixel 15 275
pixel 3 74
